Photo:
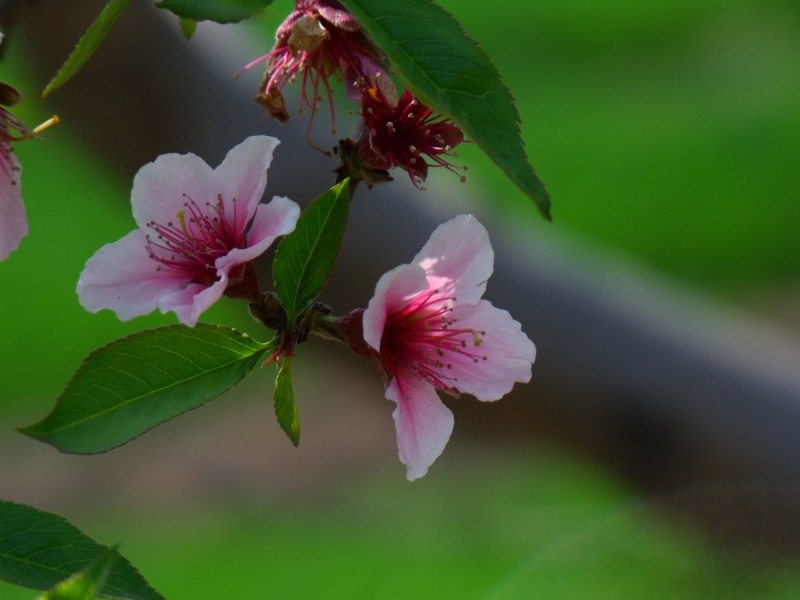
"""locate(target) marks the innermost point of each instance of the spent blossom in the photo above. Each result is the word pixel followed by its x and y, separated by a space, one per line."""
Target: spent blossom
pixel 405 133
pixel 198 231
pixel 428 330
pixel 317 41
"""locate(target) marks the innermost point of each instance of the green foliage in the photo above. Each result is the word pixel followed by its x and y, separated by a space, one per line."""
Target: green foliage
pixel 450 72
pixel 137 382
pixel 305 258
pixel 87 45
pixel 285 406
pixel 220 11
pixel 87 583
pixel 39 549
pixel 188 27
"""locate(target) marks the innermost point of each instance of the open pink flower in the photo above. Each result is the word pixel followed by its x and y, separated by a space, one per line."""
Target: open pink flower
pixel 429 330
pixel 199 229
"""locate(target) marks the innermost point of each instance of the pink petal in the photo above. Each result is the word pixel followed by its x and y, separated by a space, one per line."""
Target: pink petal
pixel 422 422
pixel 508 351
pixel 273 219
pixel 191 301
pixel 243 176
pixel 394 291
pixel 13 222
pixel 122 277
pixel 277 217
pixel 458 259
pixel 160 188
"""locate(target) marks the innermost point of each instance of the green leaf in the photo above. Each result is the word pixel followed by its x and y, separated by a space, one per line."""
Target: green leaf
pixel 90 41
pixel 188 27
pixel 86 583
pixel 220 11
pixel 285 406
pixel 137 382
pixel 305 258
pixel 450 72
pixel 39 549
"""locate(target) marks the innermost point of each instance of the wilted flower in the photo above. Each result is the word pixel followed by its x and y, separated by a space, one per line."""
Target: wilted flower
pixel 13 221
pixel 403 133
pixel 199 230
pixel 318 40
pixel 428 329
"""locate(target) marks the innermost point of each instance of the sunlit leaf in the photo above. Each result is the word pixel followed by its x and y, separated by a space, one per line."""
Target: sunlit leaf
pixel 87 583
pixel 305 258
pixel 188 27
pixel 40 550
pixel 285 406
pixel 137 382
pixel 448 71
pixel 220 11
pixel 87 45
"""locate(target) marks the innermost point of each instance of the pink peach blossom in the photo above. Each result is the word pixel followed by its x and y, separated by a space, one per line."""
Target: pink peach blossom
pixel 199 229
pixel 13 221
pixel 429 330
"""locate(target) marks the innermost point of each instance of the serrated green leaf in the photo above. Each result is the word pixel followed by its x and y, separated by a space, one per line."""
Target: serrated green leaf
pixel 450 72
pixel 39 549
pixel 285 406
pixel 137 382
pixel 188 27
pixel 87 45
pixel 86 583
pixel 219 11
pixel 305 258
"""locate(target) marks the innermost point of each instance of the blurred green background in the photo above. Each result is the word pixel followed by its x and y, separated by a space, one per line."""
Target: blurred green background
pixel 667 130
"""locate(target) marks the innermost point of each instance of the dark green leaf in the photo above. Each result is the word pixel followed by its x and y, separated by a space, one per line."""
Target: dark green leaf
pixel 137 382
pixel 305 258
pixel 220 11
pixel 449 72
pixel 87 45
pixel 86 583
pixel 188 27
pixel 39 549
pixel 285 407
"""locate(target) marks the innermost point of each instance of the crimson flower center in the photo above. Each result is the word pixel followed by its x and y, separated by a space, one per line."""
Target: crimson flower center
pixel 425 338
pixel 191 244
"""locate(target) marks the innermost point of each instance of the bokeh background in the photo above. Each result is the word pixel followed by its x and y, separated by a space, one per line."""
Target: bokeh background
pixel 668 133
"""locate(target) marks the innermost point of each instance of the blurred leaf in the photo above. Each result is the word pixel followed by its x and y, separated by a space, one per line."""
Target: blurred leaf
pixel 87 45
pixel 450 72
pixel 305 258
pixel 220 11
pixel 137 382
pixel 39 549
pixel 188 27
pixel 285 406
pixel 87 582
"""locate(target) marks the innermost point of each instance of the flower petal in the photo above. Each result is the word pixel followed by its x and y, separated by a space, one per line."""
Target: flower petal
pixel 275 218
pixel 13 222
pixel 508 351
pixel 458 259
pixel 160 188
pixel 122 277
pixel 243 176
pixel 422 421
pixel 393 291
pixel 190 302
